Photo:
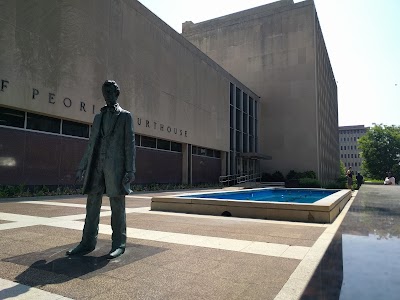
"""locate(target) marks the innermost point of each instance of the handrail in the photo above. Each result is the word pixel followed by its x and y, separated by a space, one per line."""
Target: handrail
pixel 239 178
pixel 249 177
pixel 227 178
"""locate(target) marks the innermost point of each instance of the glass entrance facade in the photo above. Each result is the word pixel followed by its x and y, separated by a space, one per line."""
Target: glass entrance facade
pixel 243 131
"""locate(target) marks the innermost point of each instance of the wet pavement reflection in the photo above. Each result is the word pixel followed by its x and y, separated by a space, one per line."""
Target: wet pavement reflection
pixel 363 260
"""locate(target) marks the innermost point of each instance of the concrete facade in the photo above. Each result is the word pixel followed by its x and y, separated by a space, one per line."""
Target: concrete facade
pixel 278 51
pixel 56 55
pixel 349 151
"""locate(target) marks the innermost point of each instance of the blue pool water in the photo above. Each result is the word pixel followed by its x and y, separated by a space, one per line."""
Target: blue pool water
pixel 269 195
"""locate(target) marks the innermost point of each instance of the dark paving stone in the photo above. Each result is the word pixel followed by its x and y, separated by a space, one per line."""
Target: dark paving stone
pixel 39 210
pixel 54 261
pixel 130 202
pixel 363 260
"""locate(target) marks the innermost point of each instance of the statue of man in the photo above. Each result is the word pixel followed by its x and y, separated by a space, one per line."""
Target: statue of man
pixel 107 167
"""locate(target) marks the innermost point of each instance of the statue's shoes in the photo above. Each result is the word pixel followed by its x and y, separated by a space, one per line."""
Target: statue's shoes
pixel 115 253
pixel 80 250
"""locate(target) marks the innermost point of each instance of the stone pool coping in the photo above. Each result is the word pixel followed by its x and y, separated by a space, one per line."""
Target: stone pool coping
pixel 322 211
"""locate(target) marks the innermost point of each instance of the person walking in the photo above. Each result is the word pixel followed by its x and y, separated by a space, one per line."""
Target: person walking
pixel 360 180
pixel 349 175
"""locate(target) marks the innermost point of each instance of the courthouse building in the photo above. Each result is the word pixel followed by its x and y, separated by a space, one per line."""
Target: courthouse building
pixel 194 121
pixel 55 56
pixel 278 51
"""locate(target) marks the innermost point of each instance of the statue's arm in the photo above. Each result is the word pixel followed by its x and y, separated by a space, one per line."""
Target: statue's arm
pixel 130 148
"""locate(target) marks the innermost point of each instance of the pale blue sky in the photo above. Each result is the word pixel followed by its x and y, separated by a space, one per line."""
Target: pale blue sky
pixel 363 41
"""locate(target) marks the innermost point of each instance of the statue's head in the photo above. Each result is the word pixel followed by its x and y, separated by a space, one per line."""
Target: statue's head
pixel 110 92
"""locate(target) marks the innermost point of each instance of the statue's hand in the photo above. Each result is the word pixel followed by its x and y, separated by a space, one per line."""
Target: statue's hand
pixel 80 175
pixel 129 177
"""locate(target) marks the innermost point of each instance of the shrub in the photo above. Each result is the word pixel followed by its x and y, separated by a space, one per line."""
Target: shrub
pixel 309 174
pixel 266 177
pixel 277 177
pixel 297 175
pixel 342 181
pixel 309 183
pixel 291 175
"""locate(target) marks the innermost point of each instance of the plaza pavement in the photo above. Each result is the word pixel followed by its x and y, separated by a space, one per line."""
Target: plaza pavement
pixel 168 255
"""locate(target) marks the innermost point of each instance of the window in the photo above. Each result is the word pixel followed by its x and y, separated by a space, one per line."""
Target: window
pixel 245 120
pixel 75 129
pixel 251 106
pixel 355 139
pixel 251 126
pixel 231 140
pixel 344 147
pixel 163 144
pixel 12 117
pixel 137 140
pixel 341 155
pixel 341 147
pixel 177 147
pixel 148 142
pixel 238 119
pixel 238 141
pixel 231 94
pixel 352 156
pixel 238 99
pixel 245 102
pixel 43 123
pixel 355 164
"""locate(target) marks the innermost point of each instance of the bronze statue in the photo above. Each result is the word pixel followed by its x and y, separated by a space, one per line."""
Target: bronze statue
pixel 107 167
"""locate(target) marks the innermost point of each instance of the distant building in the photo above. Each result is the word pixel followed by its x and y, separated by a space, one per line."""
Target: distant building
pixel 278 51
pixel 349 150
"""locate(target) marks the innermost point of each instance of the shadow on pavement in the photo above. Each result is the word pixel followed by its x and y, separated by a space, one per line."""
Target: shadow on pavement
pixel 53 267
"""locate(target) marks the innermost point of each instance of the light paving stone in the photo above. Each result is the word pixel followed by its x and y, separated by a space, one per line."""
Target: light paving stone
pixel 269 249
pixel 296 252
pixel 14 225
pixel 143 234
pixel 292 290
pixel 13 290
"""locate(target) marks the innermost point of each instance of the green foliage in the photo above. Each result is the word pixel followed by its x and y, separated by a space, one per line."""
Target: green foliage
pixel 309 183
pixel 266 177
pixel 297 175
pixel 17 191
pixel 342 169
pixel 9 191
pixel 170 186
pixel 292 175
pixel 379 149
pixel 380 181
pixel 277 177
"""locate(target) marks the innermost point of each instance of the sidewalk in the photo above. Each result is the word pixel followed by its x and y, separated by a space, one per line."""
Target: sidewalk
pixel 168 256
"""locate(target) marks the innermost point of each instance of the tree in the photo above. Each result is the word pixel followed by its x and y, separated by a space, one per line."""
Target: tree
pixel 380 148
